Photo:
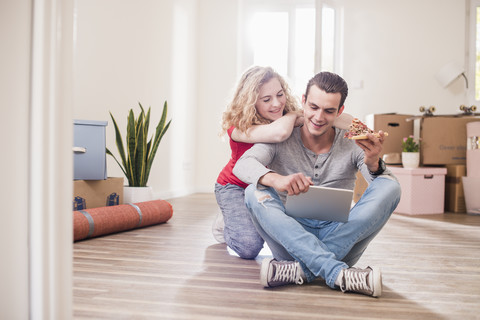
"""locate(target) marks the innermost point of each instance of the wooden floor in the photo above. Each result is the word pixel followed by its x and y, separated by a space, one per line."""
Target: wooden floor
pixel 430 265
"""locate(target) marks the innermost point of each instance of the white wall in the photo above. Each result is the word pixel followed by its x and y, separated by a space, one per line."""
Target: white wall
pixel 141 51
pixel 395 48
pixel 151 51
pixel 217 75
pixel 14 93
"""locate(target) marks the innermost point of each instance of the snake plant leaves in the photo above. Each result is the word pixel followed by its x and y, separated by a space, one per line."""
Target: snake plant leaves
pixel 138 160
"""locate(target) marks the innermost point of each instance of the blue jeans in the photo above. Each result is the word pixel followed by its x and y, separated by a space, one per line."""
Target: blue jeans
pixel 240 234
pixel 323 248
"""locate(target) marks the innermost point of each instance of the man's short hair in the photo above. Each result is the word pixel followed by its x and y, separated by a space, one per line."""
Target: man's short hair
pixel 330 83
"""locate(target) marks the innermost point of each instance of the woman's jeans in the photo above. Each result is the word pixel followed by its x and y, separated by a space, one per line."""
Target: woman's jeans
pixel 240 234
pixel 323 248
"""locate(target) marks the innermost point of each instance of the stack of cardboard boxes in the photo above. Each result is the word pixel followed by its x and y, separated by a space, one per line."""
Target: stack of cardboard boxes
pixel 91 187
pixel 423 189
pixel 443 145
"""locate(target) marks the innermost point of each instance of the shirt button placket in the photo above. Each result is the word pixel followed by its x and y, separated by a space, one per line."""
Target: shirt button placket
pixel 316 174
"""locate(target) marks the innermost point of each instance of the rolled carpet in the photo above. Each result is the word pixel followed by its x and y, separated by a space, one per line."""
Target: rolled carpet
pixel 100 221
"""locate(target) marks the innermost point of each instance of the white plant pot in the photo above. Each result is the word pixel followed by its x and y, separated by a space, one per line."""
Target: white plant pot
pixel 137 194
pixel 411 160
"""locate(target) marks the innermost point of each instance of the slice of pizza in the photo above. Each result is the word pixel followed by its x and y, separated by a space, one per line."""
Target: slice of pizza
pixel 358 130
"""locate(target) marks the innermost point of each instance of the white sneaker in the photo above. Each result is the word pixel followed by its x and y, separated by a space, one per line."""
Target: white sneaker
pixel 217 228
pixel 367 281
pixel 275 273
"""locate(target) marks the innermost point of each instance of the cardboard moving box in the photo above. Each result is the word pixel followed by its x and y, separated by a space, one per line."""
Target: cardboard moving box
pixel 89 194
pixel 397 127
pixel 360 186
pixel 444 139
pixel 454 196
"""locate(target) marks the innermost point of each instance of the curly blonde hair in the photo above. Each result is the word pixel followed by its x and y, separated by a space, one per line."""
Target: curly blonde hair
pixel 241 112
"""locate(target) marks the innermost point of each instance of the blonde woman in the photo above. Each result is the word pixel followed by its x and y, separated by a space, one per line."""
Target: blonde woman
pixel 262 110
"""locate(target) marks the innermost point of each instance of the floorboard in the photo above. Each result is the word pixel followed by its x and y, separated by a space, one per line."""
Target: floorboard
pixel 176 270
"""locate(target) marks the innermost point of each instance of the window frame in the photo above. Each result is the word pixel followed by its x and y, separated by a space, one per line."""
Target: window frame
pixel 249 7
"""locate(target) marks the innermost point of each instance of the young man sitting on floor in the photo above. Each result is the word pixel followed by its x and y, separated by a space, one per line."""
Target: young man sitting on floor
pixel 318 154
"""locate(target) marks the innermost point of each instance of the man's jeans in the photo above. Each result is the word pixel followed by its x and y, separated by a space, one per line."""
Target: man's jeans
pixel 240 234
pixel 323 248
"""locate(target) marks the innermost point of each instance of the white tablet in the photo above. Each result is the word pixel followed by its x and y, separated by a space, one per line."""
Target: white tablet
pixel 321 203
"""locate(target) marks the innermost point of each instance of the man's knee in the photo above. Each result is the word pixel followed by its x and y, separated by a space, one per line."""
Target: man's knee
pixel 394 190
pixel 254 196
pixel 389 187
pixel 391 191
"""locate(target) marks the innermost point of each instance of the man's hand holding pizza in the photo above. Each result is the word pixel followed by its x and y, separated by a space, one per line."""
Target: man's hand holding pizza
pixel 372 147
pixel 371 142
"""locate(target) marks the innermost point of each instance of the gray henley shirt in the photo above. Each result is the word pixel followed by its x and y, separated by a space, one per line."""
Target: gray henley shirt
pixel 336 168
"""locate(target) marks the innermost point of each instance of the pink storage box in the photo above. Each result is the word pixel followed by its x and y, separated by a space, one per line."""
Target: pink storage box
pixel 423 190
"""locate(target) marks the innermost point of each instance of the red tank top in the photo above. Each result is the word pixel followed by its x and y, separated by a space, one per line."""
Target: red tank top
pixel 238 149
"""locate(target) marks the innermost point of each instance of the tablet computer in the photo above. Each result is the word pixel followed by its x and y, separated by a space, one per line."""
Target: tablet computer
pixel 321 203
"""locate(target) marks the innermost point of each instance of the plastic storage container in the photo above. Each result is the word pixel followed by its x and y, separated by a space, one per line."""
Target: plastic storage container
pixel 423 190
pixel 89 156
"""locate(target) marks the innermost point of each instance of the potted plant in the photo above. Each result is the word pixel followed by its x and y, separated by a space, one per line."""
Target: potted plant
pixel 137 156
pixel 410 152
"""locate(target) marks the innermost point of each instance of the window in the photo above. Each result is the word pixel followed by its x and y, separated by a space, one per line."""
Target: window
pixel 328 38
pixel 283 34
pixel 474 61
pixel 267 34
pixel 303 63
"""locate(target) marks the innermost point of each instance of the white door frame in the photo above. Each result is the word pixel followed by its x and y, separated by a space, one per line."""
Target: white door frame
pixel 50 160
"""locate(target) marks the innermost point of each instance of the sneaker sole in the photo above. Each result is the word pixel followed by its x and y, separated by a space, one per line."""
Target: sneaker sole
pixel 264 272
pixel 377 282
pixel 218 237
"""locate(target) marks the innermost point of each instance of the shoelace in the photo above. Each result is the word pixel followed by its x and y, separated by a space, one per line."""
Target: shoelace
pixel 355 280
pixel 287 273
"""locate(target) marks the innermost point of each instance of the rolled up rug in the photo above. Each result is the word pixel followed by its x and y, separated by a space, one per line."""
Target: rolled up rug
pixel 90 223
